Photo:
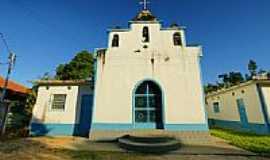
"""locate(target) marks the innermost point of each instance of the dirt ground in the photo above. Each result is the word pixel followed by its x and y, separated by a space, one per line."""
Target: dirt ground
pixel 70 148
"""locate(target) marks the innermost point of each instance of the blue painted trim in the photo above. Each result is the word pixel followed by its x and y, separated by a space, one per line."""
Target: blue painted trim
pixel 145 125
pixel 203 94
pixel 187 127
pixel 38 129
pixel 237 125
pixel 263 107
pixel 133 100
pixel 242 112
pixel 169 127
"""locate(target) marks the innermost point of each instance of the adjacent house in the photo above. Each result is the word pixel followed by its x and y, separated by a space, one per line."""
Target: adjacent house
pixel 245 107
pixel 63 108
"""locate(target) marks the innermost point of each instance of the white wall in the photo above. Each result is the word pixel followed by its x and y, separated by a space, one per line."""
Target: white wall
pixel 42 110
pixel 228 104
pixel 123 68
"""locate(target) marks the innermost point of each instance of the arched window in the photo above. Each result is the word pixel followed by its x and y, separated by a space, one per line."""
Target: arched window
pixel 145 34
pixel 115 41
pixel 177 39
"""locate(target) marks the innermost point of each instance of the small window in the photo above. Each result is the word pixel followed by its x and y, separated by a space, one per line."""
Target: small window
pixel 115 41
pixel 177 39
pixel 216 107
pixel 146 34
pixel 59 101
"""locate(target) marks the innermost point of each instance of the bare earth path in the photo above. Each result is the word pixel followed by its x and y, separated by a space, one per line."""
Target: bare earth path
pixel 70 148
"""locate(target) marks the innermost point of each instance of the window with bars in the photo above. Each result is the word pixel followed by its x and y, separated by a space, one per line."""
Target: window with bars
pixel 58 102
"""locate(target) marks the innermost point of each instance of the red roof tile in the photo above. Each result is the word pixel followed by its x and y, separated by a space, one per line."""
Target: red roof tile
pixel 13 86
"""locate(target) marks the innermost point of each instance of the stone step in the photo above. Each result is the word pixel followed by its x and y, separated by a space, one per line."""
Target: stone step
pixel 149 144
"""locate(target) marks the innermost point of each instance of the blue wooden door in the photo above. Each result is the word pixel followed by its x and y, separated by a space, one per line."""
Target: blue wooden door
pixel 242 112
pixel 85 115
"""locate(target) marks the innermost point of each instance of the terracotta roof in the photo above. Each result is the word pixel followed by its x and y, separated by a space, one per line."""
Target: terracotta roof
pixel 13 86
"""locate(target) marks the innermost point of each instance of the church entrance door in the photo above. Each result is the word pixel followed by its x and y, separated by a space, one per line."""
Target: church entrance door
pixel 148 106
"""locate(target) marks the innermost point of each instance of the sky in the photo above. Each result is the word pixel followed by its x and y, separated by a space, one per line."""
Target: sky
pixel 46 33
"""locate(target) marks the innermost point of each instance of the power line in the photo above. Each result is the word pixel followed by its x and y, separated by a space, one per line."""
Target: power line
pixel 5 42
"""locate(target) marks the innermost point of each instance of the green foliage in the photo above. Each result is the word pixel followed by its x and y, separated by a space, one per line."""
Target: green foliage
pixel 252 67
pixel 17 120
pixel 80 67
pixel 232 78
pixel 248 141
pixel 261 72
pixel 210 88
pixel 235 78
pixel 19 116
pixel 227 80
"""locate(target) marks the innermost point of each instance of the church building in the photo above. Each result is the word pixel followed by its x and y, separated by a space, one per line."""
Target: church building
pixel 148 80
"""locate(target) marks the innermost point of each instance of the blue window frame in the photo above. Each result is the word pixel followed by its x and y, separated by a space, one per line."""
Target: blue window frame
pixel 216 107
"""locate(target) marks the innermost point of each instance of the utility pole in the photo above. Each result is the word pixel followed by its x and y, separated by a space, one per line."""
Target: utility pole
pixel 11 64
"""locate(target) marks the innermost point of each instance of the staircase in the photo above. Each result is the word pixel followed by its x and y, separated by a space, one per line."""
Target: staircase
pixel 151 144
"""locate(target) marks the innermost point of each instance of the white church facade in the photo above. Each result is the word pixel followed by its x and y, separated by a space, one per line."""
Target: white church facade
pixel 147 79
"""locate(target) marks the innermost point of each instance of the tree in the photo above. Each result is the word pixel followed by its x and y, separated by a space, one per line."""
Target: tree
pixel 80 67
pixel 252 67
pixel 236 78
pixel 210 88
pixel 20 114
pixel 262 71
pixel 230 79
pixel 225 79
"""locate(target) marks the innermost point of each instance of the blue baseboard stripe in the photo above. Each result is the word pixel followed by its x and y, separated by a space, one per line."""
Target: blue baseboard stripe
pixel 38 129
pixel 187 127
pixel 236 125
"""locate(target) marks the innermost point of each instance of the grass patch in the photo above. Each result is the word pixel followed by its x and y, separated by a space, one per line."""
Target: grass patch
pixel 248 141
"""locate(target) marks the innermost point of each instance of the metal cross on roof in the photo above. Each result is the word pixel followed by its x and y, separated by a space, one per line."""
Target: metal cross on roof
pixel 144 3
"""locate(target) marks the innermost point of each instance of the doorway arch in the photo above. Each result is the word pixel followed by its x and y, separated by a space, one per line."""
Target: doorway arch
pixel 148 105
